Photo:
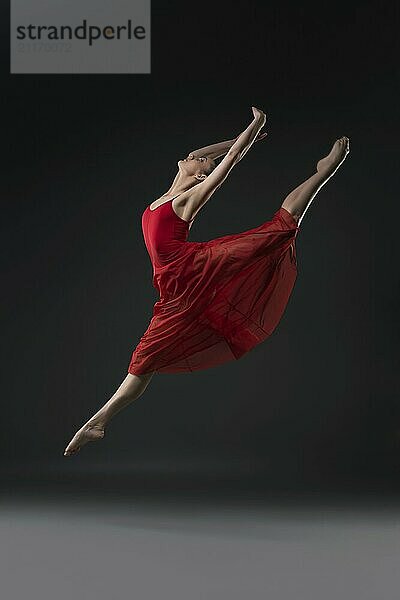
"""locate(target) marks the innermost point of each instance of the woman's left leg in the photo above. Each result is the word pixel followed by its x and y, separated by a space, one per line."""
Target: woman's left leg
pixel 130 389
pixel 301 197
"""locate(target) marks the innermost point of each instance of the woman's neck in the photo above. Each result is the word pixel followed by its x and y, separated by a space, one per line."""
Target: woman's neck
pixel 180 184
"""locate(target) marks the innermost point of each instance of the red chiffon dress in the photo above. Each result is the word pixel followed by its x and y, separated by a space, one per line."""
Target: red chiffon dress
pixel 219 298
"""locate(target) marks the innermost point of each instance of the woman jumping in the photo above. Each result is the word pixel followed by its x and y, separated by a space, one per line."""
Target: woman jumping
pixel 219 298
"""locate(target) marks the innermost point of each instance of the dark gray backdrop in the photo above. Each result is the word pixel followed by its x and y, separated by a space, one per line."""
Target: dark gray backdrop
pixel 314 404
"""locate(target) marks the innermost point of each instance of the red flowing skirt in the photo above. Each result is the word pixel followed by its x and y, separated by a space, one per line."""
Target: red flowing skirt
pixel 229 295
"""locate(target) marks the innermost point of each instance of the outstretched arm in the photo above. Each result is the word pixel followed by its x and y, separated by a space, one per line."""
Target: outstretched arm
pixel 202 191
pixel 220 149
pixel 249 135
pixel 214 150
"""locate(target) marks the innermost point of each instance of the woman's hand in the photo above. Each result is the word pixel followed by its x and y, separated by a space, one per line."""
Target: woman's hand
pixel 249 135
pixel 259 115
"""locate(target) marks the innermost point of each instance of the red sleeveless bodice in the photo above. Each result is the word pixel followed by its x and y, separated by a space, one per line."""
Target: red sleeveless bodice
pixel 218 298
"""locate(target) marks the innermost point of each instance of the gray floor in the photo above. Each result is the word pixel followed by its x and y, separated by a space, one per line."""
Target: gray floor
pixel 73 547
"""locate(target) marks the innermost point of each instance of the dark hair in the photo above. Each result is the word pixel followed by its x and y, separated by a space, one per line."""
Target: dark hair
pixel 213 165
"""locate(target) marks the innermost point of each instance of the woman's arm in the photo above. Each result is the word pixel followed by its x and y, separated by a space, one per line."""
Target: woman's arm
pixel 214 150
pixel 246 139
pixel 201 192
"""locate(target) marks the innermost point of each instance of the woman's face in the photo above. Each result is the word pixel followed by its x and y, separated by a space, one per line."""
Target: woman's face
pixel 199 166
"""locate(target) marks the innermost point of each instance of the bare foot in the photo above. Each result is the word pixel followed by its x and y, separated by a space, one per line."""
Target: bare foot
pixel 336 156
pixel 90 432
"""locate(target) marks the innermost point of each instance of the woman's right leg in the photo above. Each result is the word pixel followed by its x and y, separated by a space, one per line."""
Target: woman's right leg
pixel 298 201
pixel 130 389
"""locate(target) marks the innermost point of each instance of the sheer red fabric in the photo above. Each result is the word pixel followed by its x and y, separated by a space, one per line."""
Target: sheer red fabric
pixel 219 298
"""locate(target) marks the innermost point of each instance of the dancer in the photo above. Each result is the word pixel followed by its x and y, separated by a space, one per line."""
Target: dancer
pixel 219 298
